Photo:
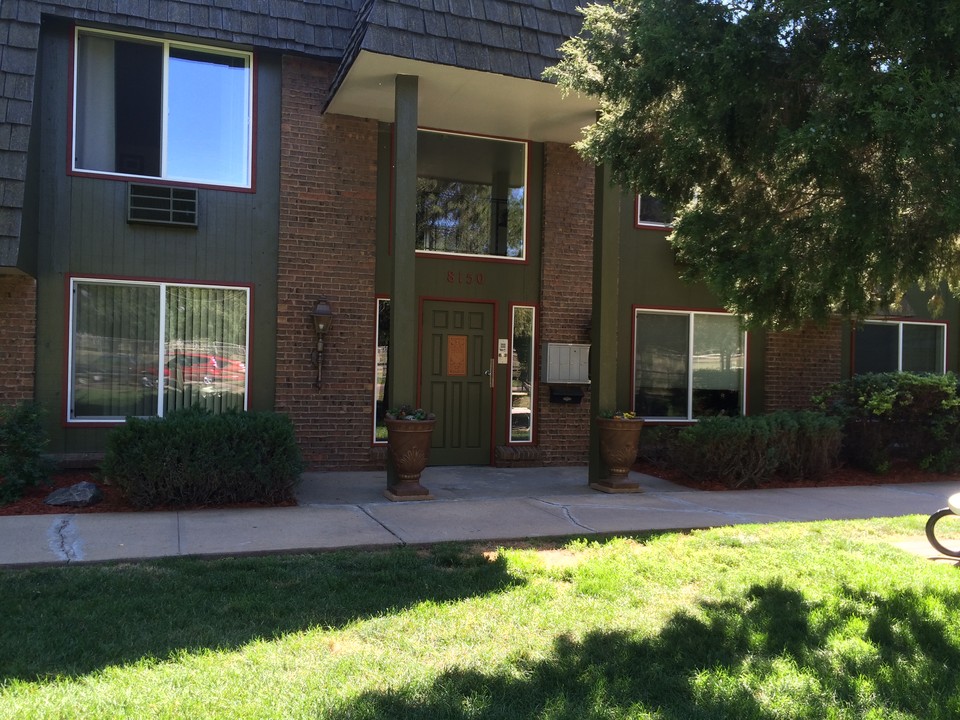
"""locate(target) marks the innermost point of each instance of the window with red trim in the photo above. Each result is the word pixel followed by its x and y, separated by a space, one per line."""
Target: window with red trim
pixel 152 108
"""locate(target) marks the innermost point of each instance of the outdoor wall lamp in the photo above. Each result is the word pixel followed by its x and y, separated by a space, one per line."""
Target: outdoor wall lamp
pixel 322 316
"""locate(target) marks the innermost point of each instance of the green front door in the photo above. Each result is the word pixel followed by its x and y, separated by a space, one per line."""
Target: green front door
pixel 455 380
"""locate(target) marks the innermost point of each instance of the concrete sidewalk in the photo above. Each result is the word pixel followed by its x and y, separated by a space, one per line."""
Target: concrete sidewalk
pixel 338 510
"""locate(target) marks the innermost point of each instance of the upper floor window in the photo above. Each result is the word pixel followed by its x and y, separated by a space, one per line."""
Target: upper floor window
pixel 884 346
pixel 471 195
pixel 688 365
pixel 652 213
pixel 155 108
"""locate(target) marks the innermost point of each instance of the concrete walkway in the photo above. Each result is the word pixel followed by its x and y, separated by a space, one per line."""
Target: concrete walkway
pixel 338 510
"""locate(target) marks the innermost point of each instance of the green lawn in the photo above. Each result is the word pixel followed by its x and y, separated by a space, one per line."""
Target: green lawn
pixel 821 620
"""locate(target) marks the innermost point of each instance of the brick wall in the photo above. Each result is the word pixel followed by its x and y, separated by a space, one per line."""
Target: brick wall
pixel 800 363
pixel 565 307
pixel 327 246
pixel 18 334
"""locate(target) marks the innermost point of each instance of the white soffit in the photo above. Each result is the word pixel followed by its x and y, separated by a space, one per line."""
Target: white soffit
pixel 453 98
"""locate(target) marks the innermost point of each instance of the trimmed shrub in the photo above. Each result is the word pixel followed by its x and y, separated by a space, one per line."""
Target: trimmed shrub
pixel 193 457
pixel 655 443
pixel 809 443
pixel 745 451
pixel 889 416
pixel 736 451
pixel 22 444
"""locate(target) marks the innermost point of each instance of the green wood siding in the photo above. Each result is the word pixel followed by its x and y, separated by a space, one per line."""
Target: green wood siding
pixel 650 278
pixel 82 230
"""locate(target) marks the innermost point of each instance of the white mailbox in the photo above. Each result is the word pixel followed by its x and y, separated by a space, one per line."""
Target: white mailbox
pixel 566 364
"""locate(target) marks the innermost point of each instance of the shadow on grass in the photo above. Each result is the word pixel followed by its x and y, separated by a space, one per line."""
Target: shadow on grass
pixel 74 620
pixel 766 654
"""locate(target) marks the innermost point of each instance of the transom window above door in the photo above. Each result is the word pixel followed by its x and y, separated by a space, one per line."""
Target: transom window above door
pixel 146 107
pixel 471 195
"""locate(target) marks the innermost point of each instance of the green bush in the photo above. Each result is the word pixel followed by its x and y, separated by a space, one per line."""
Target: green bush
pixel 655 443
pixel 193 457
pixel 22 444
pixel 745 451
pixel 890 416
pixel 809 443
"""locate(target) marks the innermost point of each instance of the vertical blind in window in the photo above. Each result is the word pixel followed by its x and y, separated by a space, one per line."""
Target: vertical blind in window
pixel 122 364
pixel 205 348
pixel 688 365
pixel 895 346
pixel 116 346
pixel 923 348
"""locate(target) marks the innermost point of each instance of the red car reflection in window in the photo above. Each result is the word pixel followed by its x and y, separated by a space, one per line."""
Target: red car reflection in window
pixel 203 368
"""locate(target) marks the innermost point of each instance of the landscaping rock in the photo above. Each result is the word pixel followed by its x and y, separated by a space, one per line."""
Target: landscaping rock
pixel 82 494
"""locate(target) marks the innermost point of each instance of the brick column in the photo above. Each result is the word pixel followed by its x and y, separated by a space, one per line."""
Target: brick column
pixel 801 363
pixel 18 337
pixel 564 430
pixel 328 174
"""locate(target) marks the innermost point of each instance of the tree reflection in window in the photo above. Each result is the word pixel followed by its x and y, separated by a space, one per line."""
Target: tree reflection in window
pixel 470 195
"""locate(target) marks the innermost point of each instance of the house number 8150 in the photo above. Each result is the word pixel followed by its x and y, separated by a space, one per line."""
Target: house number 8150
pixel 464 278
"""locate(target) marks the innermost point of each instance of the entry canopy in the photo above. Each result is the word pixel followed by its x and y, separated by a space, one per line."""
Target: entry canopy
pixel 463 100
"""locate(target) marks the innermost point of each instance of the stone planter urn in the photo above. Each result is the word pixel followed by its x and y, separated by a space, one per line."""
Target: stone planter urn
pixel 409 434
pixel 619 443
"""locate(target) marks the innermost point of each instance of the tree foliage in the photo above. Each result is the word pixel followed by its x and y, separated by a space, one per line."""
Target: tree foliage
pixel 810 148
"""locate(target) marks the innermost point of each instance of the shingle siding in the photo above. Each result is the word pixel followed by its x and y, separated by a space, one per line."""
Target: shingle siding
pixel 479 35
pixel 262 23
pixel 19 26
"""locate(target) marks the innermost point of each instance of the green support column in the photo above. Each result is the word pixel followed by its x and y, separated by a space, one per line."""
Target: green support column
pixel 404 308
pixel 606 296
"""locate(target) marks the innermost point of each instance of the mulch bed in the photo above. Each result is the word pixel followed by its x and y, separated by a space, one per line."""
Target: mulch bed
pixel 113 500
pixel 841 477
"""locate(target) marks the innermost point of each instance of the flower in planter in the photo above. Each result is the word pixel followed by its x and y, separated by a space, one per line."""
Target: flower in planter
pixel 618 415
pixel 405 412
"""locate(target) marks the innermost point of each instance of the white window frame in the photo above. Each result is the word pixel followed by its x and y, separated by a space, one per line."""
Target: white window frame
pixel 690 336
pixel 900 325
pixel 166 45
pixel 526 199
pixel 161 355
pixel 647 224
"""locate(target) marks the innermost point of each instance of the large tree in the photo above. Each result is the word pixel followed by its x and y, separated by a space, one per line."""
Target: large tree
pixel 810 149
